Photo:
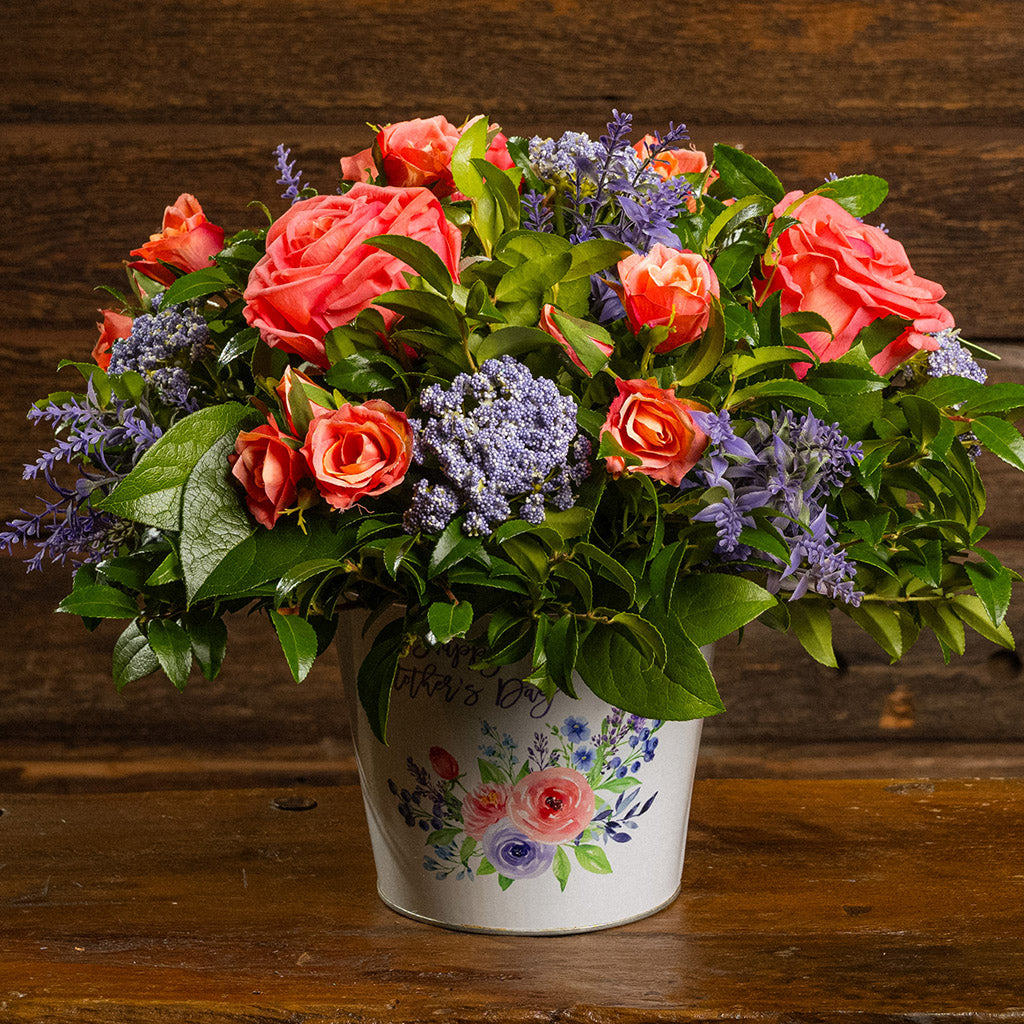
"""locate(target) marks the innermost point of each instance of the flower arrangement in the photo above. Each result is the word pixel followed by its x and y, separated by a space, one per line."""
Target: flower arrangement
pixel 589 403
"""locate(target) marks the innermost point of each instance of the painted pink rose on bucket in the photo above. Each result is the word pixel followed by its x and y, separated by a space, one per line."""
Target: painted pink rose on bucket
pixel 483 806
pixel 852 274
pixel 553 805
pixel 317 274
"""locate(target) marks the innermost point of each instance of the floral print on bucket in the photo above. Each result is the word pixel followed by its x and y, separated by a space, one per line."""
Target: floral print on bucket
pixel 519 815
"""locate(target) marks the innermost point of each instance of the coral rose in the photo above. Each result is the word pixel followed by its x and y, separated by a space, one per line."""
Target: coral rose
pixel 551 806
pixel 547 323
pixel 317 274
pixel 655 426
pixel 269 468
pixel 852 274
pixel 187 241
pixel 484 805
pixel 358 451
pixel 668 288
pixel 114 327
pixel 419 153
pixel 284 390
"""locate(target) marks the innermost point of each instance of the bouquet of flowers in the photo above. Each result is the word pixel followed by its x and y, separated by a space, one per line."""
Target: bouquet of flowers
pixel 588 403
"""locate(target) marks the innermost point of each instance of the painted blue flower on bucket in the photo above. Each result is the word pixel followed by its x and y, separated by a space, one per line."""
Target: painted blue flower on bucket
pixel 576 790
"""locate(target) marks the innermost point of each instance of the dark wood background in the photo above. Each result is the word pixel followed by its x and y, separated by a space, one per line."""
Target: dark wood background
pixel 111 109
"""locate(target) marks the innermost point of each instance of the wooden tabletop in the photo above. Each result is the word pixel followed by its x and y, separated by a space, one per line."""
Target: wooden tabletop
pixel 802 901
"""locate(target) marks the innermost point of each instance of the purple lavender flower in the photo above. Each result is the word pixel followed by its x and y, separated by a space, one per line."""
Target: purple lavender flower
pixel 513 854
pixel 497 437
pixel 289 176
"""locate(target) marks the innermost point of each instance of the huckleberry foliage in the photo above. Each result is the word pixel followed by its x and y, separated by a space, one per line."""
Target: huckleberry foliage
pixel 497 438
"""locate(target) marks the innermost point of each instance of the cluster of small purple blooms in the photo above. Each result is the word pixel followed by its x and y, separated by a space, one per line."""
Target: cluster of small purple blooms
pixel 496 437
pixel 789 467
pixel 102 441
pixel 611 192
pixel 951 359
pixel 623 743
pixel 162 347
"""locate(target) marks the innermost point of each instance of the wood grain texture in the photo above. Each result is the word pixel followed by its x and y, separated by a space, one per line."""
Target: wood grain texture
pixel 802 901
pixel 110 110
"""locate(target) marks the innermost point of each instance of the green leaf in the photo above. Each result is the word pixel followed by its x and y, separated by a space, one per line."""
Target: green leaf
pixel 592 858
pixel 705 355
pixel 608 567
pixel 642 635
pixel 298 574
pixel 741 206
pixel 448 621
pixel 472 145
pixel 742 175
pixel 504 881
pixel 923 418
pixel 377 675
pixel 580 335
pixel 812 625
pixel 425 306
pixel 594 255
pixel 882 624
pixel 972 610
pixel 993 588
pixel 797 392
pixel 452 547
pixel 1002 439
pixel 615 671
pixel 298 641
pixel 419 256
pixel 712 606
pixel 133 657
pixel 151 493
pixel 195 285
pixel 859 194
pixel 561 867
pixel 942 619
pixel 561 645
pixel 209 639
pixel 213 521
pixel 173 650
pixel 97 600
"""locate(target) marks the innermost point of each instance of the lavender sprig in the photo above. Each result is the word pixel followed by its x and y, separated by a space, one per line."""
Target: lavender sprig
pixel 291 178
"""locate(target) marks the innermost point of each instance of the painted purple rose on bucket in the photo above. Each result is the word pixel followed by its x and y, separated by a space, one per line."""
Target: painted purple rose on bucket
pixel 576 790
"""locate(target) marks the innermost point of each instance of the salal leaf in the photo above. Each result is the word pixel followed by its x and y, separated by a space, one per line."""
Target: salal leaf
pixel 711 606
pixel 448 621
pixel 419 256
pixel 151 493
pixel 133 657
pixel 859 194
pixel 196 285
pixel 743 175
pixel 173 650
pixel 298 641
pixel 377 676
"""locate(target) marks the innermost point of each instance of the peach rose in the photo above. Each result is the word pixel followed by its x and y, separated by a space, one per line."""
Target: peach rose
pixel 358 451
pixel 547 323
pixel 114 327
pixel 419 153
pixel 484 805
pixel 269 468
pixel 655 426
pixel 551 806
pixel 852 274
pixel 187 241
pixel 668 288
pixel 317 274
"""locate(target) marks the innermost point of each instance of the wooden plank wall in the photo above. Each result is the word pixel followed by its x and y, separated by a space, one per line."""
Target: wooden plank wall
pixel 111 109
